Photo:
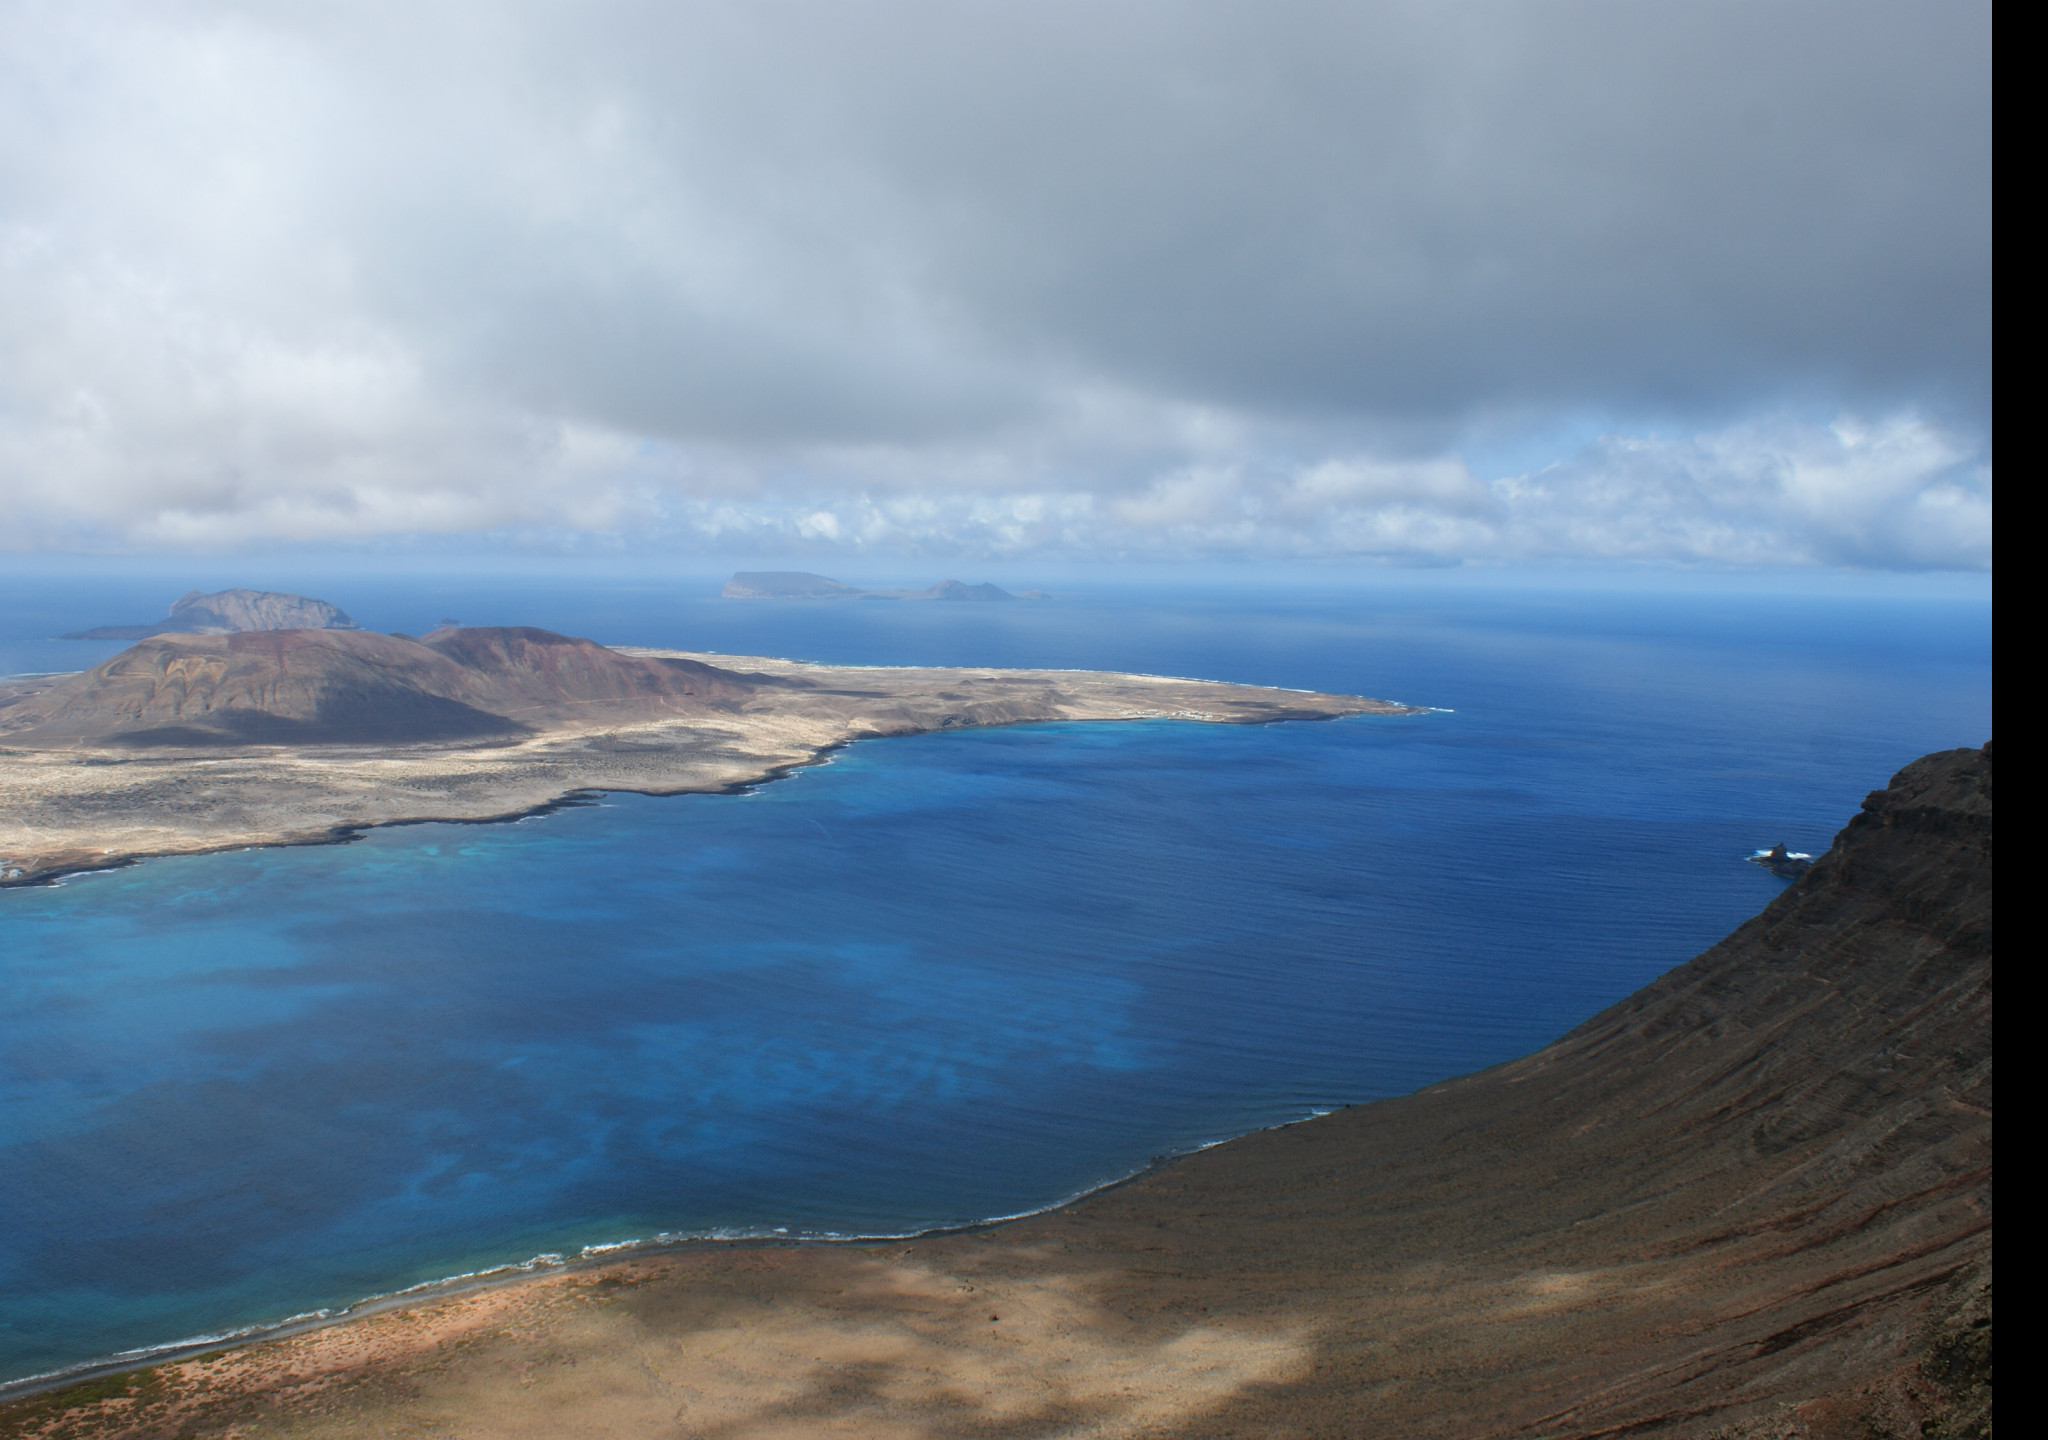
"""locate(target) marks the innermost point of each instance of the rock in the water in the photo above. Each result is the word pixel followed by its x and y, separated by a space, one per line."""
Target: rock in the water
pixel 324 687
pixel 1781 862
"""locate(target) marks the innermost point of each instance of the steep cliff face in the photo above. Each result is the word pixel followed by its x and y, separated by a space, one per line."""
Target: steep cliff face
pixel 354 687
pixel 1753 1185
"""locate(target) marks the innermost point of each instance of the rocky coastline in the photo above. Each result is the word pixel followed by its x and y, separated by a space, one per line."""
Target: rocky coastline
pixel 186 744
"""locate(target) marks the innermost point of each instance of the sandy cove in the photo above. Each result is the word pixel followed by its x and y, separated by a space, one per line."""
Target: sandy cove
pixel 82 808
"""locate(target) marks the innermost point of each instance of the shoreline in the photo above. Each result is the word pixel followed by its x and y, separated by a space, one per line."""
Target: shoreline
pixel 349 834
pixel 550 1265
pixel 569 800
pixel 79 810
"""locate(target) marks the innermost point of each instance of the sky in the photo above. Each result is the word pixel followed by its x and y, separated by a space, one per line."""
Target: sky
pixel 1420 284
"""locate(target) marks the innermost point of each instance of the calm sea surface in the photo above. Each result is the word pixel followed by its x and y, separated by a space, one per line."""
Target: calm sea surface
pixel 940 979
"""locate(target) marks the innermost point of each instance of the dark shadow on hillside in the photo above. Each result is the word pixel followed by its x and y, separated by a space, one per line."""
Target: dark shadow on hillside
pixel 349 717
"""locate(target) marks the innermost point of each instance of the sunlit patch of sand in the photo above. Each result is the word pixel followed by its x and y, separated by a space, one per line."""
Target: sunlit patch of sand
pixel 814 1345
pixel 904 1349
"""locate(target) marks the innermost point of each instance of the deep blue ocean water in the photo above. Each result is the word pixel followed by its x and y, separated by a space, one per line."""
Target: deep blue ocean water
pixel 939 979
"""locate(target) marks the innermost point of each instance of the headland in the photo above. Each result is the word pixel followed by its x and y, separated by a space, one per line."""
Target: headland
pixel 186 742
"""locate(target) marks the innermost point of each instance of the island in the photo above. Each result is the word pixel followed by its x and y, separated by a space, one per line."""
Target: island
pixel 225 612
pixel 801 585
pixel 1751 1201
pixel 193 742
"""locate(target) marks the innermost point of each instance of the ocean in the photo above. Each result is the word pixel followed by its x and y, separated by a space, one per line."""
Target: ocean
pixel 936 980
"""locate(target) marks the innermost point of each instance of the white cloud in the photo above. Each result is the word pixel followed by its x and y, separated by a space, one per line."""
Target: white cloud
pixel 1894 492
pixel 995 280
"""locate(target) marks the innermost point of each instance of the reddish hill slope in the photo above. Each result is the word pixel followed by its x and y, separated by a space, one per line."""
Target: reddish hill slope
pixel 354 687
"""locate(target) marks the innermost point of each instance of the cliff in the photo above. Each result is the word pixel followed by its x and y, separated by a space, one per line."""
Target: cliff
pixel 1754 1198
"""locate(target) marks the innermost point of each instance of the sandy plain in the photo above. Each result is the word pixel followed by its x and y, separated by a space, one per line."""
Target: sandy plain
pixel 80 808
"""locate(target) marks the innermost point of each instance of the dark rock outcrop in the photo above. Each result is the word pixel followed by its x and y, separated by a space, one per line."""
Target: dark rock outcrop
pixel 1781 862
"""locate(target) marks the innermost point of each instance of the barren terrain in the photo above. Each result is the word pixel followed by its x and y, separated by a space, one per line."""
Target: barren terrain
pixel 94 779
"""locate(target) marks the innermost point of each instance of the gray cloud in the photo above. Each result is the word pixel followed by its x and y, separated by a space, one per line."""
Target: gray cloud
pixel 1189 277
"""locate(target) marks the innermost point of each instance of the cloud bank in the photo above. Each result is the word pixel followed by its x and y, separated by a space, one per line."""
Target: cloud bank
pixel 1420 281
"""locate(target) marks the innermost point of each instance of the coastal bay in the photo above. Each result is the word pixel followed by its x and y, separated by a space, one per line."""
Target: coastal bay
pixel 1720 1208
pixel 649 665
pixel 950 977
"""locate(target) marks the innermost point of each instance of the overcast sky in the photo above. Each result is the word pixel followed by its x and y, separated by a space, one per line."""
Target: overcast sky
pixel 1000 278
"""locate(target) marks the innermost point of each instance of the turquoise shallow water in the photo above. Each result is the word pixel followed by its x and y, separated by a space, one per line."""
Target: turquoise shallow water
pixel 941 978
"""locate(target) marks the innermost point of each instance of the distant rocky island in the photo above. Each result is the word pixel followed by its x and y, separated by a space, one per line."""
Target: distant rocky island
pixel 229 612
pixel 246 733
pixel 799 585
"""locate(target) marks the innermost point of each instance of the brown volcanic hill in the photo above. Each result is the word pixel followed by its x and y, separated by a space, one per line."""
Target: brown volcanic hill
pixel 353 687
pixel 536 675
